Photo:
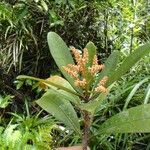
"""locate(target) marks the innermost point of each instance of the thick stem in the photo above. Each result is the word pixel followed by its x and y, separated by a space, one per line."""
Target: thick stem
pixel 87 123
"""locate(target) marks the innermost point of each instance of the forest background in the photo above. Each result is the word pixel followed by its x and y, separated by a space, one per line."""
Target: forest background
pixel 111 25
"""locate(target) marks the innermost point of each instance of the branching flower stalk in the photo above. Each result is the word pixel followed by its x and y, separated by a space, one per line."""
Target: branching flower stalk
pixel 84 76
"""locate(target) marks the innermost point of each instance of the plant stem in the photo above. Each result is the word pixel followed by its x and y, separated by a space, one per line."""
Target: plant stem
pixel 86 132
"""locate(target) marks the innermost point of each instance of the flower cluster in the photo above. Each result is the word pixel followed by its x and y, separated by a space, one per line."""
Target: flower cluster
pixel 81 69
pixel 101 85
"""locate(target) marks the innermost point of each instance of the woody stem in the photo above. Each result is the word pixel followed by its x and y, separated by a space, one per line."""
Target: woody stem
pixel 86 132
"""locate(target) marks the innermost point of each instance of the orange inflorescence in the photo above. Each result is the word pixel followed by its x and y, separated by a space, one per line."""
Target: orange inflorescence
pixel 77 55
pixel 80 83
pixel 85 56
pixel 71 72
pixel 42 85
pixel 101 89
pixel 73 67
pixel 103 81
pixel 80 70
pixel 101 85
pixel 96 68
pixel 95 60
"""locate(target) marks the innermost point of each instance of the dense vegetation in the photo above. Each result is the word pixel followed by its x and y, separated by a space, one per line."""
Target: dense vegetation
pixel 111 25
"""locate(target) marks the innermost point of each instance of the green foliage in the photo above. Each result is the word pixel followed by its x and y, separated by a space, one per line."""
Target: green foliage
pixel 133 120
pixel 129 62
pixel 60 52
pixel 24 48
pixel 92 51
pixel 23 131
pixel 95 105
pixel 147 95
pixel 114 104
pixel 53 101
pixel 112 25
pixel 110 66
pixel 60 108
pixel 51 83
pixel 136 87
pixel 4 102
pixel 27 132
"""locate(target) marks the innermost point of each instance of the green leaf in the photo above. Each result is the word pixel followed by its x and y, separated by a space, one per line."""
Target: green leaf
pixel 92 51
pixel 60 53
pixel 49 83
pixel 110 66
pixel 61 81
pixel 4 102
pixel 60 108
pixel 93 105
pixel 133 120
pixel 129 62
pixel 97 104
pixel 44 5
pixel 147 97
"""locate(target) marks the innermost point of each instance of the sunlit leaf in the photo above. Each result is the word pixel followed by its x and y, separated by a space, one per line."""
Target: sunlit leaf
pixel 44 5
pixel 61 81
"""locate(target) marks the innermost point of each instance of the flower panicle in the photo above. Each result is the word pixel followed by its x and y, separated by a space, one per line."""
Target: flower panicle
pixel 73 67
pixel 81 60
pixel 95 60
pixel 85 56
pixel 72 73
pixel 101 89
pixel 96 68
pixel 103 81
pixel 79 70
pixel 101 85
pixel 80 83
pixel 77 55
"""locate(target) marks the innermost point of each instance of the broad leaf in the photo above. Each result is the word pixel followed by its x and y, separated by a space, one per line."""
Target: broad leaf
pixel 61 81
pixel 96 104
pixel 92 106
pixel 129 62
pixel 60 108
pixel 49 83
pixel 60 53
pixel 100 100
pixel 92 51
pixel 136 119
